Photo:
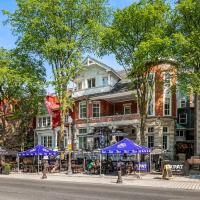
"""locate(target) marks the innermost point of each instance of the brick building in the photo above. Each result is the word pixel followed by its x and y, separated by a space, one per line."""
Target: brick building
pixel 106 108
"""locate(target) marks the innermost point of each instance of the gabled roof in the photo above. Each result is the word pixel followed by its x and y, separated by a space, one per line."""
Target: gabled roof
pixel 90 61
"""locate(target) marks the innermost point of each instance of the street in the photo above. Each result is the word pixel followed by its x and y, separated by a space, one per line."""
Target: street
pixel 15 189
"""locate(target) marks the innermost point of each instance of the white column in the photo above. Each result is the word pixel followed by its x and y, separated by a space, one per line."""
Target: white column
pixel 56 140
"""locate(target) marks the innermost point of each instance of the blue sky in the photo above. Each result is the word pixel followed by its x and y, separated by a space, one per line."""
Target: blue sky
pixel 7 40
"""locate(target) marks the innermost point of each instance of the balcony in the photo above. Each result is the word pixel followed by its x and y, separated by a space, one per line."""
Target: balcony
pixel 114 118
pixel 88 91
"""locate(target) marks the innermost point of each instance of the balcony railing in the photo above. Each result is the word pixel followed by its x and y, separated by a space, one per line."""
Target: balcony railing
pixel 114 118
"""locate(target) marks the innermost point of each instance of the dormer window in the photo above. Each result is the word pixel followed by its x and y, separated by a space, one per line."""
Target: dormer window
pixel 91 82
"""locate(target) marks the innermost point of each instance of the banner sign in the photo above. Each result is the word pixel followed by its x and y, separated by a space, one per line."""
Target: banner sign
pixel 177 167
pixel 143 166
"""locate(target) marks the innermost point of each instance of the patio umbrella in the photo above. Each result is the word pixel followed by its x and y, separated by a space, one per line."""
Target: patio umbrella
pixel 38 150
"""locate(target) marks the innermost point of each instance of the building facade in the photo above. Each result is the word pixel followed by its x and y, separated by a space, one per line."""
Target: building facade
pixel 106 108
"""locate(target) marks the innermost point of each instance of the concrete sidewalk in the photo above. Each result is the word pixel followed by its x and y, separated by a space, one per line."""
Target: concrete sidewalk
pixel 147 180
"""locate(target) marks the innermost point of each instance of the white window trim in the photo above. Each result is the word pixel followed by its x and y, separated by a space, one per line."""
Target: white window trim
pixel 164 95
pixel 44 116
pixel 148 140
pixel 80 110
pixel 153 97
pixel 183 98
pixel 185 118
pixel 96 102
pixel 127 105
pixel 103 82
pixel 165 134
pixel 179 133
pixel 91 82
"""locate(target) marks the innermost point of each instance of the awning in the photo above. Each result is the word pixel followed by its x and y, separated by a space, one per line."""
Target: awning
pixel 125 146
pixel 38 150
pixel 7 152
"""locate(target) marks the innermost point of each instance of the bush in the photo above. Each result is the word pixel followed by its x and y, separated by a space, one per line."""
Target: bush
pixel 7 168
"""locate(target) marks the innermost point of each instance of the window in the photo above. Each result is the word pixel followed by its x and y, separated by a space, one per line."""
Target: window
pixel 165 129
pixel 167 106
pixel 83 110
pixel 82 138
pixel 150 108
pixel 44 122
pixel 96 109
pixel 150 129
pixel 165 142
pixel 82 142
pixel 150 141
pixel 49 141
pixel 127 109
pixel 82 131
pixel 183 118
pixel 80 86
pixel 105 81
pixel 167 80
pixel 151 81
pixel 46 141
pixel 183 103
pixel 180 133
pixel 91 82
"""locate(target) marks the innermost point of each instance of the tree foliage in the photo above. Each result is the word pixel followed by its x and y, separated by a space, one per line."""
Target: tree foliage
pixel 59 31
pixel 22 81
pixel 138 36
pixel 186 21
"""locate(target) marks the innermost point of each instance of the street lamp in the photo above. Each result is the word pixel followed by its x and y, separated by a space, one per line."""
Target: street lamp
pixel 69 171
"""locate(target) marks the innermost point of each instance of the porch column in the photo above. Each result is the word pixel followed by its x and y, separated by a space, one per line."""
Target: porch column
pixel 56 140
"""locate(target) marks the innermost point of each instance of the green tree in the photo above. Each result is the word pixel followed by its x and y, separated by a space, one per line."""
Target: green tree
pixel 21 86
pixel 138 39
pixel 59 31
pixel 186 43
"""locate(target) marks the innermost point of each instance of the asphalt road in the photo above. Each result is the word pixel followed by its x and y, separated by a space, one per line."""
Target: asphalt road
pixel 15 189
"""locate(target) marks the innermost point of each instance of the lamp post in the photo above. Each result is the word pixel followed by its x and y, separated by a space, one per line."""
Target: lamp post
pixel 69 171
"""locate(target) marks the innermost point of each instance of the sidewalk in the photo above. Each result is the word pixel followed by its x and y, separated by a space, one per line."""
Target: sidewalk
pixel 148 180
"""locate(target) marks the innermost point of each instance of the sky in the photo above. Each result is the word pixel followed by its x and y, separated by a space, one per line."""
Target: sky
pixel 7 40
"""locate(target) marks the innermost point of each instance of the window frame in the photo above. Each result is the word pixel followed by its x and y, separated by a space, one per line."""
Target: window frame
pixel 179 120
pixel 185 102
pixel 99 107
pixel 90 83
pixel 80 104
pixel 129 107
pixel 103 82
pixel 150 142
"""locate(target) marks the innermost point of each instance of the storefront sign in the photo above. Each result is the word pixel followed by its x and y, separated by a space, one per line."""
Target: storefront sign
pixel 177 167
